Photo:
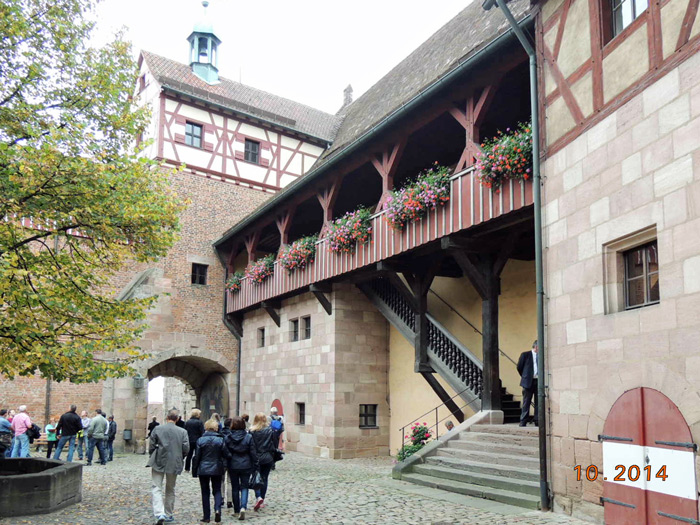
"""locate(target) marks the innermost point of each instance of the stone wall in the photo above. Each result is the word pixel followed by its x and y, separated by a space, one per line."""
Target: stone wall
pixel 343 364
pixel 637 170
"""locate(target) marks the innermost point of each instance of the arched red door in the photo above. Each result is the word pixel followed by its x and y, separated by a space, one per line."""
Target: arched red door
pixel 648 462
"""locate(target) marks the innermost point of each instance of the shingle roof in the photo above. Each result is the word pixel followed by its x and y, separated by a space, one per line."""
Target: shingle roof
pixel 461 37
pixel 239 97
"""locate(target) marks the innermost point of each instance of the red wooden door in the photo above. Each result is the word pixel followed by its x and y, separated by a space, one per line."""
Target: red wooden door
pixel 648 462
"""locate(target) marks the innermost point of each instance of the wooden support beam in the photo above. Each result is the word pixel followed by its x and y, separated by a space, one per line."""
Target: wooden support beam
pixel 444 396
pixel 271 308
pixel 251 245
pixel 320 291
pixel 391 272
pixel 236 322
pixel 386 165
pixel 327 197
pixel 284 224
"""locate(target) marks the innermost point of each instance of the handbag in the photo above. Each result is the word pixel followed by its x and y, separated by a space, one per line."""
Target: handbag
pixel 255 482
pixel 277 455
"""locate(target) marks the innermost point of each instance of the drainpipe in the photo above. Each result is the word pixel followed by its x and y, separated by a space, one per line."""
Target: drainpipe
pixel 534 109
pixel 228 325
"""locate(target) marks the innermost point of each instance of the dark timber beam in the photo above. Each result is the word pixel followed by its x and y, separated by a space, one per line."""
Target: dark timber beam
pixel 236 325
pixel 271 308
pixel 320 291
pixel 391 272
pixel 444 396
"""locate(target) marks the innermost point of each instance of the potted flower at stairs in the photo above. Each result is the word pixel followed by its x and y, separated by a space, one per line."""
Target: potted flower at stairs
pixel 419 437
pixel 261 269
pixel 508 156
pixel 355 227
pixel 298 254
pixel 416 198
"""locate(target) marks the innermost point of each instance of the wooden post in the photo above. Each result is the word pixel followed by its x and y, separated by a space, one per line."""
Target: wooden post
pixel 386 166
pixel 420 282
pixel 251 245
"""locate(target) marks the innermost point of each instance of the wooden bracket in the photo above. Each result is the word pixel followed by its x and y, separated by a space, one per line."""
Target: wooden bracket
pixel 391 272
pixel 251 245
pixel 284 224
pixel 236 325
pixel 271 308
pixel 387 165
pixel 320 291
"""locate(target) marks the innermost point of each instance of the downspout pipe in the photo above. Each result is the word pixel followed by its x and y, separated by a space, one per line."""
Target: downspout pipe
pixel 539 274
pixel 228 325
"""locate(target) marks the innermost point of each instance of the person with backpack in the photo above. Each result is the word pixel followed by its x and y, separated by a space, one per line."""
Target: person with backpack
pixel 209 465
pixel 266 440
pixel 242 463
pixel 21 423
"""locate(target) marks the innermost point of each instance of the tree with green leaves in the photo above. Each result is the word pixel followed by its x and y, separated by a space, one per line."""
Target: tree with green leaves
pixel 76 201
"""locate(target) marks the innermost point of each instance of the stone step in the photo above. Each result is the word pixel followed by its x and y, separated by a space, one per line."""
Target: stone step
pixel 490 469
pixel 513 440
pixel 478 491
pixel 505 457
pixel 504 448
pixel 506 429
pixel 475 478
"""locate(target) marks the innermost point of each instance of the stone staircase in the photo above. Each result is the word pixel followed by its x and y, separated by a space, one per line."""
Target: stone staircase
pixel 496 462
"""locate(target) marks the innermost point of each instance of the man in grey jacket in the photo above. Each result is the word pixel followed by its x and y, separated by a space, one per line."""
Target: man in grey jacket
pixel 97 434
pixel 168 445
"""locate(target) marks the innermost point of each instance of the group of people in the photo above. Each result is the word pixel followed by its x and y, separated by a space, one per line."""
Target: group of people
pixel 16 429
pixel 212 451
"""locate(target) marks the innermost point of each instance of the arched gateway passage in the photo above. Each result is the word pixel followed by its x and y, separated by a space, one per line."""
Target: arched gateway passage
pixel 648 461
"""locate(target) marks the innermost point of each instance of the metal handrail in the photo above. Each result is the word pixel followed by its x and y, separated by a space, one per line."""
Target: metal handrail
pixel 437 421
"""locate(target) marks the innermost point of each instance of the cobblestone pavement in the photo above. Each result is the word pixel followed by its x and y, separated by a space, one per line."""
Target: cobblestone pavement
pixel 301 490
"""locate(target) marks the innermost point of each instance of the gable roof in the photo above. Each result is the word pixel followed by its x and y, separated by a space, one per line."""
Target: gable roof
pixel 244 99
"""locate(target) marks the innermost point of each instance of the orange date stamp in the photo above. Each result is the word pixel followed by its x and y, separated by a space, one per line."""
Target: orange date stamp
pixel 633 473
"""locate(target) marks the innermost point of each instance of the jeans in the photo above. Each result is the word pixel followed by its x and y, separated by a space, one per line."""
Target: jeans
pixel 109 449
pixel 528 394
pixel 239 485
pixel 160 508
pixel 264 473
pixel 100 449
pixel 81 442
pixel 61 443
pixel 49 447
pixel 20 447
pixel 188 460
pixel 216 489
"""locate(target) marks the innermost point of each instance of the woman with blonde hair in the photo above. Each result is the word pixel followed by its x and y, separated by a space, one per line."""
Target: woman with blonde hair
pixel 209 465
pixel 195 430
pixel 265 440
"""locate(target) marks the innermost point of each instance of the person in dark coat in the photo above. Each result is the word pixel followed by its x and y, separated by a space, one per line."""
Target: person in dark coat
pixel 69 424
pixel 243 462
pixel 527 368
pixel 153 424
pixel 266 440
pixel 209 465
pixel 226 488
pixel 195 430
pixel 111 436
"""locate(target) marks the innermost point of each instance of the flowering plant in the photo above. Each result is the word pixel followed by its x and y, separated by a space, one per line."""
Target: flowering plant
pixel 507 156
pixel 352 228
pixel 233 283
pixel 427 191
pixel 298 254
pixel 261 269
pixel 420 434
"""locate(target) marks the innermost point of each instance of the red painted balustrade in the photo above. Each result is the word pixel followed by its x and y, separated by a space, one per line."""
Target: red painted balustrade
pixel 470 204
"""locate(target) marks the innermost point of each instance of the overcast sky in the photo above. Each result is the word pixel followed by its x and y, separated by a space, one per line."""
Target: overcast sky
pixel 305 50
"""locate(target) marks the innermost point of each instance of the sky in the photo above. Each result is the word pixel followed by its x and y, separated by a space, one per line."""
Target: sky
pixel 306 50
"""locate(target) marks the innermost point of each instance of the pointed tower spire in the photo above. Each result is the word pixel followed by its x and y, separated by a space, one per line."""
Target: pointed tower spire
pixel 203 49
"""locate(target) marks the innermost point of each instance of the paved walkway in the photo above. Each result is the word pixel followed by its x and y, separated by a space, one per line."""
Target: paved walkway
pixel 302 490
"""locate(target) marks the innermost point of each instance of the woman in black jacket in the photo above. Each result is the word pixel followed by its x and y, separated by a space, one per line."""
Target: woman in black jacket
pixel 242 463
pixel 195 430
pixel 266 440
pixel 209 464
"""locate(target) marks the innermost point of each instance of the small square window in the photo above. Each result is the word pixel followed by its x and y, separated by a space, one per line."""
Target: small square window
pixel 368 416
pixel 641 276
pixel 307 327
pixel 199 273
pixel 261 337
pixel 294 330
pixel 252 151
pixel 193 134
pixel 301 413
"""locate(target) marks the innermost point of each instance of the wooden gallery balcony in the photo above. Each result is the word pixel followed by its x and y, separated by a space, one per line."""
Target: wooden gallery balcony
pixel 470 205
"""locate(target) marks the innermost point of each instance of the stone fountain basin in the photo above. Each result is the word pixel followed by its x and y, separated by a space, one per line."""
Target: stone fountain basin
pixel 38 485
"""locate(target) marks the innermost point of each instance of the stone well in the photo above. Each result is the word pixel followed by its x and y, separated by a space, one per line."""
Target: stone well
pixel 38 486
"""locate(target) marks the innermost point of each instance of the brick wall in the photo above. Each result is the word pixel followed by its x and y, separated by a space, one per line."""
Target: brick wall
pixel 638 168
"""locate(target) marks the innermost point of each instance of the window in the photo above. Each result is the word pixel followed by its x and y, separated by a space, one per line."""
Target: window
pixel 621 13
pixel 301 413
pixel 368 416
pixel 307 327
pixel 642 276
pixel 199 273
pixel 261 337
pixel 252 151
pixel 193 135
pixel 294 330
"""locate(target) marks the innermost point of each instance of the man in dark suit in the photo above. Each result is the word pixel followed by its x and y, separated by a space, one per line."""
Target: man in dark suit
pixel 527 368
pixel 111 436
